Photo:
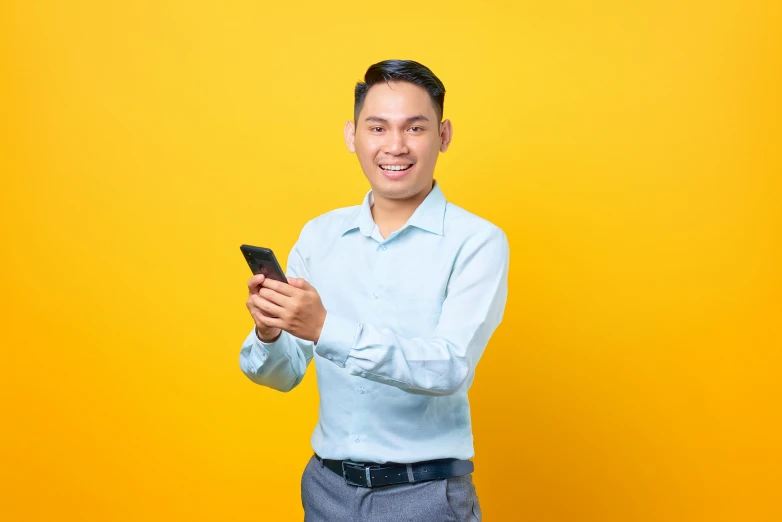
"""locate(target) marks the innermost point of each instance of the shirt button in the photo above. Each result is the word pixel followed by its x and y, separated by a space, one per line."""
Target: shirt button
pixel 356 439
pixel 375 296
pixel 362 390
pixel 330 357
pixel 382 247
pixel 363 374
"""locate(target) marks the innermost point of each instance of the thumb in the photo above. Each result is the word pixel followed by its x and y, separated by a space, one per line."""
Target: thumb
pixel 298 282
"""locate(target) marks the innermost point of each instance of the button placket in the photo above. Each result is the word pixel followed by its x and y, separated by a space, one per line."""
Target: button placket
pixel 380 248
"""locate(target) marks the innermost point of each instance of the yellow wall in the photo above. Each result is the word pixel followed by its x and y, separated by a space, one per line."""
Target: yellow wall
pixel 631 152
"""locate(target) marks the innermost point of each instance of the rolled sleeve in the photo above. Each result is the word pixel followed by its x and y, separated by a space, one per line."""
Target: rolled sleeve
pixel 337 338
pixel 253 355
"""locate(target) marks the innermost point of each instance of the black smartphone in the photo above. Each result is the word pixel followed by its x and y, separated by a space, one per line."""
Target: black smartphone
pixel 262 261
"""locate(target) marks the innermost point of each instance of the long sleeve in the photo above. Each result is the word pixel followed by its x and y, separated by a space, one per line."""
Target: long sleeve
pixel 441 363
pixel 279 365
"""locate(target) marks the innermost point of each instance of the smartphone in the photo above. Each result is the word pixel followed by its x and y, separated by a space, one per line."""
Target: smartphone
pixel 262 261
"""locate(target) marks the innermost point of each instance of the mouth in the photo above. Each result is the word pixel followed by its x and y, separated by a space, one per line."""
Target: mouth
pixel 395 171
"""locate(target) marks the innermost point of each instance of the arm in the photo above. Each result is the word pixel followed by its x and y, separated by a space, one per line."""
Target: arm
pixel 440 364
pixel 280 364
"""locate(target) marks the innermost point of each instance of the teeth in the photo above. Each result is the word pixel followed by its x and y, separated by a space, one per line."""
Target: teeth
pixel 394 167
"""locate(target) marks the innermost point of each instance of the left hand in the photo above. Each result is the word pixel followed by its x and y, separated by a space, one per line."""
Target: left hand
pixel 295 307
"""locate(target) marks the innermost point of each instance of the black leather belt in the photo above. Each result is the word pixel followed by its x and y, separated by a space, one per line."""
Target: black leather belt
pixel 368 475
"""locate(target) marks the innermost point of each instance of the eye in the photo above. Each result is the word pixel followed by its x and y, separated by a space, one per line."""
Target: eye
pixel 416 129
pixel 376 129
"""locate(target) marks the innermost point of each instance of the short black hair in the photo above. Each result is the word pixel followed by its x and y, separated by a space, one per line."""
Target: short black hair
pixel 401 71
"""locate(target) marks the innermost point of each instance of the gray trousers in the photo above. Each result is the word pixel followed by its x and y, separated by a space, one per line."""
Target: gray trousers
pixel 327 498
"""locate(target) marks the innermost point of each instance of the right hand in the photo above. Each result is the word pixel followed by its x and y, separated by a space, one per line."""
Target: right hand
pixel 264 333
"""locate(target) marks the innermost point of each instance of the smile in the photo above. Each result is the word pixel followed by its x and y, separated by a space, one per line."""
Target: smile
pixel 395 167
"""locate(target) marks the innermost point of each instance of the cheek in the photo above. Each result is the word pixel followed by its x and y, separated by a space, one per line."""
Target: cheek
pixel 366 151
pixel 427 152
pixel 366 159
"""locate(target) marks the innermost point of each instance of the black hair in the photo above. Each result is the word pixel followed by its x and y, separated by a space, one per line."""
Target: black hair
pixel 401 71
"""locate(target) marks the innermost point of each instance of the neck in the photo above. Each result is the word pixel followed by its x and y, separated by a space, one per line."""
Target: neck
pixel 391 214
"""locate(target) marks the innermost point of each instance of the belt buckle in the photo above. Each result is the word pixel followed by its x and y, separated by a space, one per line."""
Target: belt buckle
pixel 356 465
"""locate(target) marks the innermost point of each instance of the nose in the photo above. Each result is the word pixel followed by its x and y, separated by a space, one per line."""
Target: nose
pixel 396 144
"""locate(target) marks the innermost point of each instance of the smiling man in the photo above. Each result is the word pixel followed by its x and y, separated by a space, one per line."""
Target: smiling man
pixel 395 300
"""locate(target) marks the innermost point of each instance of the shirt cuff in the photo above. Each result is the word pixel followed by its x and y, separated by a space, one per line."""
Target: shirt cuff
pixel 260 351
pixel 268 346
pixel 336 338
pixel 251 360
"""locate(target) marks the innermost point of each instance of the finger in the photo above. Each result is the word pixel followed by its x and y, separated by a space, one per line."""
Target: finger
pixel 300 283
pixel 267 307
pixel 265 320
pixel 252 307
pixel 280 287
pixel 255 282
pixel 275 297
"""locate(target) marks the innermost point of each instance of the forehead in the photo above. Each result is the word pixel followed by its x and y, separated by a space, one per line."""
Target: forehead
pixel 397 100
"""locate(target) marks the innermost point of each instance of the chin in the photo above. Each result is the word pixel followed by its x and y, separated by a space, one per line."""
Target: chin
pixel 403 189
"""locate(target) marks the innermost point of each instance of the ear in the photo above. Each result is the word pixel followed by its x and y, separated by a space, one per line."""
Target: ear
pixel 446 133
pixel 350 136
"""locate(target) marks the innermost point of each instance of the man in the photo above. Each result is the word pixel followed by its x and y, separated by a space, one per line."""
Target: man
pixel 395 300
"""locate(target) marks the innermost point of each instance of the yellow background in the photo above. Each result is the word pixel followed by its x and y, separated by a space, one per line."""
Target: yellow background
pixel 631 152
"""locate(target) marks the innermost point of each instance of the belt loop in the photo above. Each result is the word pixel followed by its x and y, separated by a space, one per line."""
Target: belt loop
pixel 410 473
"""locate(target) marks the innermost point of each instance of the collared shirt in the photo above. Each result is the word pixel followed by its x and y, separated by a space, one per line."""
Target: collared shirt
pixel 407 319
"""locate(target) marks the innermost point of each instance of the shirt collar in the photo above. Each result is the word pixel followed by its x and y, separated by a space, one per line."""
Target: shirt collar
pixel 429 215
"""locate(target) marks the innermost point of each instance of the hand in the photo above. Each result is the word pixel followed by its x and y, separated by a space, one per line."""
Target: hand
pixel 295 307
pixel 265 333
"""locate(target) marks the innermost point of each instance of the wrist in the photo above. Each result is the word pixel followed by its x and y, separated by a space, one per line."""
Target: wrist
pixel 319 329
pixel 265 338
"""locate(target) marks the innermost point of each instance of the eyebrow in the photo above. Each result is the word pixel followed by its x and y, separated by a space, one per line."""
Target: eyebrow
pixel 412 119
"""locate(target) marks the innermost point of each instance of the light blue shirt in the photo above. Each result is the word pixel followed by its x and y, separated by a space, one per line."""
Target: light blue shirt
pixel 407 319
